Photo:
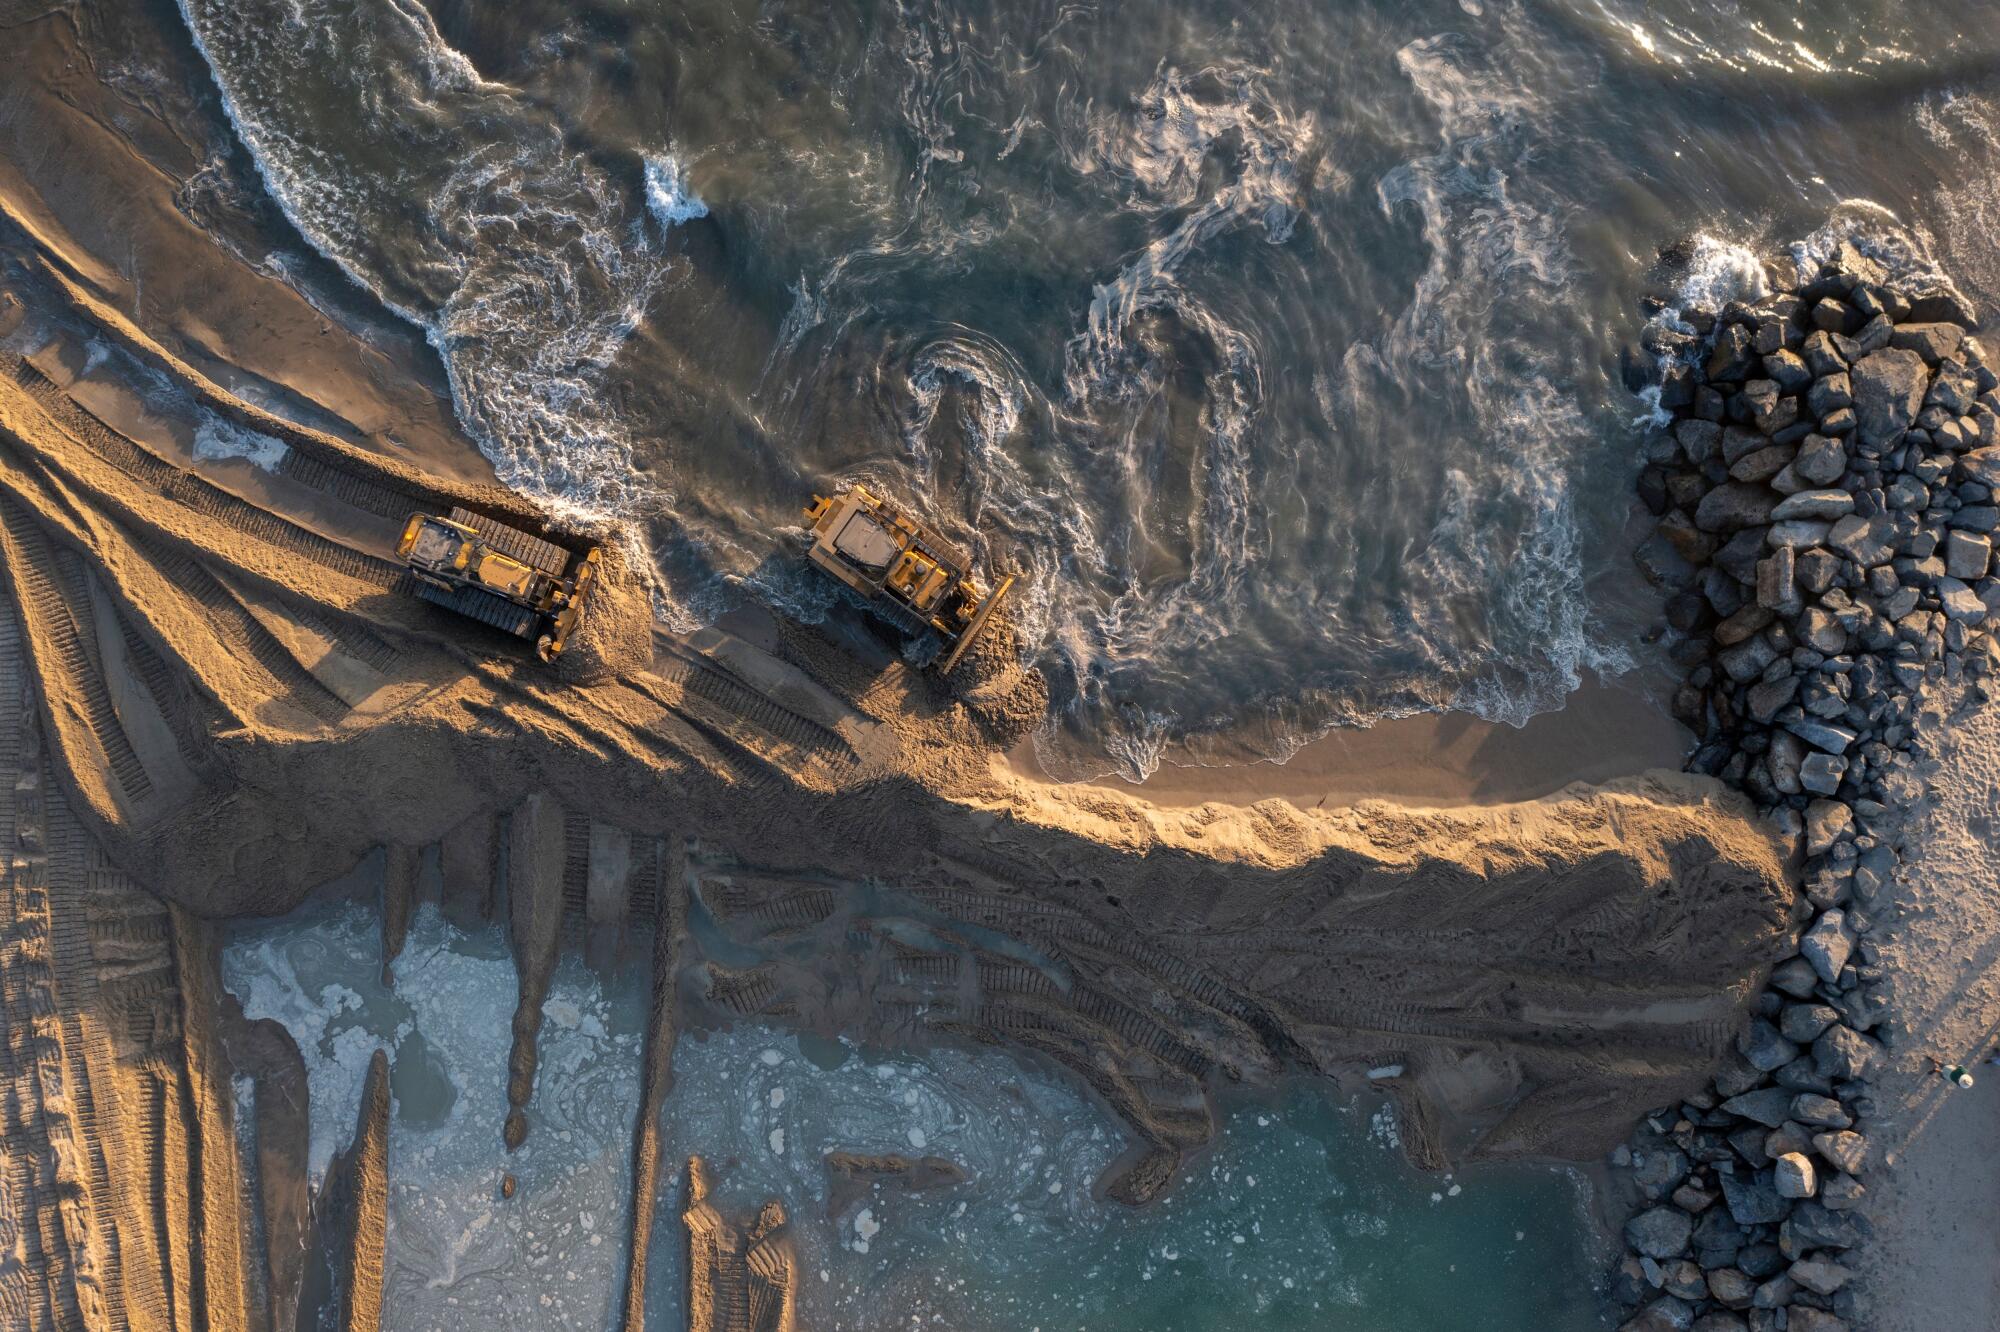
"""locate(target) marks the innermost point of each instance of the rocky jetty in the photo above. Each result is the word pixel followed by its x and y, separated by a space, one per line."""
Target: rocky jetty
pixel 1825 496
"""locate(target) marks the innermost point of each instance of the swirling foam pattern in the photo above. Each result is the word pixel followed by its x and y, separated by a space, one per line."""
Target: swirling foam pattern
pixel 1280 355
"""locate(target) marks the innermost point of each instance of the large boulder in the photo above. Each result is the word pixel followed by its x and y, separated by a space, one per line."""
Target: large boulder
pixel 1735 505
pixel 1933 342
pixel 1660 1232
pixel 1754 1201
pixel 1889 387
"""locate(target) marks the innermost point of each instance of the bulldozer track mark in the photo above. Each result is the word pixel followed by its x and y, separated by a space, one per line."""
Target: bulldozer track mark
pixel 52 608
pixel 350 488
pixel 530 550
pixel 193 492
pixel 575 873
pixel 243 632
pixel 356 641
pixel 181 710
pixel 713 685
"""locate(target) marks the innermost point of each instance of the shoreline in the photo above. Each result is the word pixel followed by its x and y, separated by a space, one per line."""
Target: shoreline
pixel 1606 729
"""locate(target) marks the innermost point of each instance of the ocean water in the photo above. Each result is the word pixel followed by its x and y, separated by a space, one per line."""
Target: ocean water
pixel 1275 345
pixel 1304 1216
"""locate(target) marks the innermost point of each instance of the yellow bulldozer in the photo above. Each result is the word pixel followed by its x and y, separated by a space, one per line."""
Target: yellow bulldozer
pixel 500 576
pixel 902 566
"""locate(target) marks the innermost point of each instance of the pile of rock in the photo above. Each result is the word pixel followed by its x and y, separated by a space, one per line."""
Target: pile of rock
pixel 1826 496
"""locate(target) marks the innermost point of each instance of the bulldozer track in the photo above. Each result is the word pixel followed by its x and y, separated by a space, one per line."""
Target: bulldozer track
pixel 532 551
pixel 194 493
pixel 475 604
pixel 53 610
pixel 241 630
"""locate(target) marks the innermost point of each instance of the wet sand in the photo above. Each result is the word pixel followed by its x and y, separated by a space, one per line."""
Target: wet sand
pixel 1610 728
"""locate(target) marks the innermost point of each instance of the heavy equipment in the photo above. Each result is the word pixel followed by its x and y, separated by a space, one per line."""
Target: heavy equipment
pixel 500 575
pixel 903 567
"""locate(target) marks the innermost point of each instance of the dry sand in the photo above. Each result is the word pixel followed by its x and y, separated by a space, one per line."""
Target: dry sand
pixel 1935 1263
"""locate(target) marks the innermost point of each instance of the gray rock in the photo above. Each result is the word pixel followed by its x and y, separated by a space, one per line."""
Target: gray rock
pixel 1762 464
pixel 1959 602
pixel 1829 395
pixel 1729 1286
pixel 1785 754
pixel 1734 505
pixel 1788 370
pixel 1694 1201
pixel 1763 702
pixel 1666 1314
pixel 1832 738
pixel 1845 1055
pixel 1827 945
pixel 1737 443
pixel 1753 1201
pixel 1821 460
pixel 1797 533
pixel 1699 440
pixel 1824 504
pixel 1775 1293
pixel 1982 466
pixel 1794 976
pixel 1874 335
pixel 1872 872
pixel 1733 358
pixel 1803 1023
pixel 1744 623
pixel 1827 821
pixel 1821 1276
pixel 1846 1151
pixel 1889 387
pixel 1805 1318
pixel 1764 1047
pixel 1777 581
pixel 1722 1320
pixel 1943 306
pixel 1661 1172
pixel 1816 570
pixel 1660 1232
pixel 1821 773
pixel 1834 316
pixel 1815 1226
pixel 1769 1106
pixel 1816 1111
pixel 1933 342
pixel 1868 541
pixel 1820 630
pixel 1842 1193
pixel 1840 421
pixel 1683 1280
pixel 1821 356
pixel 1793 1176
pixel 1746 661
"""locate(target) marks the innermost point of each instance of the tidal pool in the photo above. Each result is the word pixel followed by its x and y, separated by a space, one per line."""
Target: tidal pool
pixel 1305 1214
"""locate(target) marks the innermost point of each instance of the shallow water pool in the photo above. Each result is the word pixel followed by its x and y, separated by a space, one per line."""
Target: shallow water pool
pixel 1305 1214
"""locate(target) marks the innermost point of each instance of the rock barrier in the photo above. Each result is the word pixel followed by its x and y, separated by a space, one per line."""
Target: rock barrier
pixel 1825 496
